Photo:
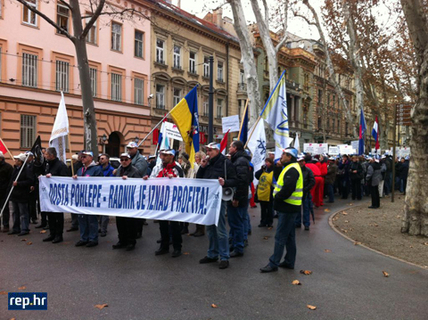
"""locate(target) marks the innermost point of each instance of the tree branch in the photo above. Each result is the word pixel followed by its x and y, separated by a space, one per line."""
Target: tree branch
pixel 65 4
pixel 265 5
pixel 93 19
pixel 304 18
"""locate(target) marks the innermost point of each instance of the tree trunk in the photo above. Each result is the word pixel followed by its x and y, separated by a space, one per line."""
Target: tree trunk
pixel 415 220
pixel 89 121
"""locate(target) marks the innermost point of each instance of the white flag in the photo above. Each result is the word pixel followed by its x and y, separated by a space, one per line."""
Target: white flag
pixel 297 142
pixel 164 142
pixel 257 145
pixel 60 131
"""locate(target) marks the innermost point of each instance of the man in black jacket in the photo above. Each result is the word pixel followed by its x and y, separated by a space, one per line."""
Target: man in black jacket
pixel 5 174
pixel 217 166
pixel 237 208
pixel 56 168
pixel 287 202
pixel 308 184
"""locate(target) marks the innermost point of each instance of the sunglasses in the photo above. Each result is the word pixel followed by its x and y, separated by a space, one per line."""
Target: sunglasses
pixel 126 159
pixel 83 157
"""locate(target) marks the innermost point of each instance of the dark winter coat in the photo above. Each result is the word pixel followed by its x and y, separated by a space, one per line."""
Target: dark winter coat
pixel 5 173
pixel 330 178
pixel 404 172
pixel 244 175
pixel 56 168
pixel 355 166
pixel 216 169
pixel 308 181
pixel 21 192
pixel 130 171
pixel 140 164
pixel 374 175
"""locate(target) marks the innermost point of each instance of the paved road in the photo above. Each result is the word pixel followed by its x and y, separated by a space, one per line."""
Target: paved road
pixel 347 282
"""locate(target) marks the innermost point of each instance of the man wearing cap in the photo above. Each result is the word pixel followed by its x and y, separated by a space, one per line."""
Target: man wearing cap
pixel 5 174
pixel 88 223
pixel 55 167
pixel 126 227
pixel 217 166
pixel 107 170
pixel 20 196
pixel 287 194
pixel 374 176
pixel 138 160
pixel 308 184
pixel 169 169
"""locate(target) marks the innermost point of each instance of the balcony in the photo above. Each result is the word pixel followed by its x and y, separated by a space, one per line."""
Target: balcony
pixel 242 87
pixel 160 64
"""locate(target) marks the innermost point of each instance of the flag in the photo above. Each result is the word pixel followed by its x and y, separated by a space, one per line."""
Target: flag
pixel 36 149
pixel 297 142
pixel 257 145
pixel 275 114
pixel 375 133
pixel 363 130
pixel 163 141
pixel 186 118
pixel 243 130
pixel 60 130
pixel 3 147
pixel 223 143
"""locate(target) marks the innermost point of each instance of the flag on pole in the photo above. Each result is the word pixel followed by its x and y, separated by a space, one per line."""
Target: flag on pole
pixel 275 114
pixel 163 141
pixel 60 131
pixel 243 132
pixel 39 159
pixel 223 143
pixel 375 133
pixel 257 145
pixel 186 118
pixel 297 142
pixel 363 130
pixel 3 147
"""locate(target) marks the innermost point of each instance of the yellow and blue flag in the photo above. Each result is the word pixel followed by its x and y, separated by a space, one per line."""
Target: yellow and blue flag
pixel 186 118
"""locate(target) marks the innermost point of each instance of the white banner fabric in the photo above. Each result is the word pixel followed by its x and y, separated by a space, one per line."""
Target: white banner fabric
pixel 231 123
pixel 257 146
pixel 60 130
pixel 172 131
pixel 186 200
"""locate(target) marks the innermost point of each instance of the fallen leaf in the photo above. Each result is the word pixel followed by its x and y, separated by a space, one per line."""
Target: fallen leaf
pixel 23 239
pixel 344 213
pixel 411 246
pixel 3 292
pixel 426 243
pixel 29 243
pixel 296 283
pixel 265 238
pixel 351 204
pixel 327 250
pixel 311 307
pixel 385 274
pixel 186 253
pixel 346 221
pixel 12 319
pixel 305 272
pixel 101 306
pixel 357 243
pixel 270 228
pixel 214 306
pixel 326 210
pixel 43 231
pixel 22 288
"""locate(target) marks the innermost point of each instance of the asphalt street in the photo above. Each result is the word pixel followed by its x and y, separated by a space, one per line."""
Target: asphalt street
pixel 347 280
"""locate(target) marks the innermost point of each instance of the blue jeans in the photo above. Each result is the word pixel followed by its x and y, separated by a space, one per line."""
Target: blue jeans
pixel 247 225
pixel 285 236
pixel 306 207
pixel 88 226
pixel 330 192
pixel 218 237
pixel 388 183
pixel 21 217
pixel 236 217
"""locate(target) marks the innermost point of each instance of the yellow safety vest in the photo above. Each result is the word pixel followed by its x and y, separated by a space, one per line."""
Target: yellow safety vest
pixel 296 197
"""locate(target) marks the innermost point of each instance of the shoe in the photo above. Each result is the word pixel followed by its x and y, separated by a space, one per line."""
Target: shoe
pixel 130 247
pixel 119 245
pixel 23 233
pixel 198 234
pixel 261 225
pixel 57 240
pixel 245 243
pixel 81 243
pixel 34 221
pixel 268 268
pixel 306 228
pixel 99 230
pixel 185 230
pixel 269 226
pixel 71 229
pixel 275 216
pixel 176 253
pixel 207 260
pixel 161 251
pixel 159 241
pixel 249 232
pixel 103 234
pixel 285 265
pixel 235 254
pixel 48 239
pixel 5 229
pixel 139 235
pixel 298 226
pixel 223 264
pixel 91 244
pixel 371 207
pixel 40 226
pixel 13 232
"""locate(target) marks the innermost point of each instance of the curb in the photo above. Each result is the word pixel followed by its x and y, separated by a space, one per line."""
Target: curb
pixel 330 222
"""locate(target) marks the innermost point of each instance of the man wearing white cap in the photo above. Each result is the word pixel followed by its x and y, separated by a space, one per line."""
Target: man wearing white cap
pixel 5 173
pixel 138 160
pixel 20 196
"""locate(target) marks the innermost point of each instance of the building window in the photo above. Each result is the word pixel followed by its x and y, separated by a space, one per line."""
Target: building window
pixel 138 42
pixel 160 51
pixel 205 105
pixel 319 123
pixel 29 70
pixel 192 62
pixel 138 91
pixel 28 16
pixel 241 76
pixel 177 57
pixel 346 128
pixel 28 130
pixel 160 96
pixel 62 69
pixel 116 36
pixel 332 125
pixel 220 71
pixel 62 15
pixel 338 126
pixel 206 67
pixel 219 108
pixel 319 96
pixel 93 74
pixel 334 101
pixel 176 96
pixel 328 100
pixel 116 87
pixel 92 34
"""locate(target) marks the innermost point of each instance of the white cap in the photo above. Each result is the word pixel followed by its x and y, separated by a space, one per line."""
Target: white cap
pixel 125 155
pixel 21 156
pixel 132 144
pixel 213 145
pixel 74 157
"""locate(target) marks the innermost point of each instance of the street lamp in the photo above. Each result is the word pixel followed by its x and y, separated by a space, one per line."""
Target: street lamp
pixel 136 139
pixel 103 141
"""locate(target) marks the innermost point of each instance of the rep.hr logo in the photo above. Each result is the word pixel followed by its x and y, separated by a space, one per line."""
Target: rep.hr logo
pixel 28 301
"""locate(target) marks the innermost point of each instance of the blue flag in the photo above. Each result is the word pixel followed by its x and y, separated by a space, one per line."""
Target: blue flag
pixel 244 128
pixel 363 129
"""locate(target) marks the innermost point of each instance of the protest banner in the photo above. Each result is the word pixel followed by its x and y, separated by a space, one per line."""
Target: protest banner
pixel 333 151
pixel 231 123
pixel 172 131
pixel 355 145
pixel 321 148
pixel 186 200
pixel 309 148
pixel 345 149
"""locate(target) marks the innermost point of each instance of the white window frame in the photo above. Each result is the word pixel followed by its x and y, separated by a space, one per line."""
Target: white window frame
pixel 139 91
pixel 160 51
pixel 220 74
pixel 177 57
pixel 139 44
pixel 29 70
pixel 30 14
pixel 116 37
pixel 205 102
pixel 62 15
pixel 176 98
pixel 116 86
pixel 93 74
pixel 160 96
pixel 219 108
pixel 206 67
pixel 192 62
pixel 62 76
pixel 27 130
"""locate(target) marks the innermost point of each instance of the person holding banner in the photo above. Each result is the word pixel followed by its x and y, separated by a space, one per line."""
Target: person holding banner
pixel 217 166
pixel 5 174
pixel 55 167
pixel 126 227
pixel 88 223
pixel 169 169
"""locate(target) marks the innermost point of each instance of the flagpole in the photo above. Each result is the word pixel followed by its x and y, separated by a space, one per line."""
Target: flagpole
pixel 274 89
pixel 7 149
pixel 145 138
pixel 252 131
pixel 242 122
pixel 71 158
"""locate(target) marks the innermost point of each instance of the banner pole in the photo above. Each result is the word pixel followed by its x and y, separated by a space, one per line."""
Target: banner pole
pixel 71 158
pixel 145 138
pixel 252 131
pixel 242 121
